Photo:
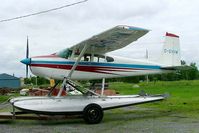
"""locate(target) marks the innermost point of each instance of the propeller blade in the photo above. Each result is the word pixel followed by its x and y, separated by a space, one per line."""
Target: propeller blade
pixel 27 56
pixel 27 49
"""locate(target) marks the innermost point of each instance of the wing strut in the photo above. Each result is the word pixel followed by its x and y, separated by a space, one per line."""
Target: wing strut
pixel 76 63
pixel 72 70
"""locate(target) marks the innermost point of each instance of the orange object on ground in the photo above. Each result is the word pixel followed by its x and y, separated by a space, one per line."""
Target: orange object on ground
pixel 107 92
pixel 44 92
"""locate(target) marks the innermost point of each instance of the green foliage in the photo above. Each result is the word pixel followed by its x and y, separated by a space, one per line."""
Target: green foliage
pixel 193 73
pixel 36 81
pixel 27 80
pixel 5 98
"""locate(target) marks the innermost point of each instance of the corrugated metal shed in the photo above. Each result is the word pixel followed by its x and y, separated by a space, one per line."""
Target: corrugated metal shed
pixel 8 81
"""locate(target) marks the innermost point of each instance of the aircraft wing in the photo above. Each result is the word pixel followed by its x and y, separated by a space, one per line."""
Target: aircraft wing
pixel 110 40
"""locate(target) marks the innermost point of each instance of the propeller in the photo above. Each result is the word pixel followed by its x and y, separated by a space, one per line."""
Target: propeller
pixel 27 56
pixel 27 60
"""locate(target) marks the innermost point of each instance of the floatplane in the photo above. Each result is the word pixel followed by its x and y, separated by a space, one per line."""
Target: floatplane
pixel 89 60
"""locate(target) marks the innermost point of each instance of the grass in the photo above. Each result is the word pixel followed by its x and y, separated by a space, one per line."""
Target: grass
pixel 4 98
pixel 184 95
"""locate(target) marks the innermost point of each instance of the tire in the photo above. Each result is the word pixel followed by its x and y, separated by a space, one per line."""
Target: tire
pixel 93 114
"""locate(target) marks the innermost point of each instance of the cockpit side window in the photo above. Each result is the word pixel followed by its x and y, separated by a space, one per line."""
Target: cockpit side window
pixel 66 53
pixel 109 59
pixel 102 58
pixel 87 57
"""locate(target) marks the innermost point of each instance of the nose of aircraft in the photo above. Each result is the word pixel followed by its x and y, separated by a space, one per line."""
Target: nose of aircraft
pixel 26 61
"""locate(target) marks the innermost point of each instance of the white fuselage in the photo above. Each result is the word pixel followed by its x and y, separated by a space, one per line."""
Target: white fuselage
pixel 56 67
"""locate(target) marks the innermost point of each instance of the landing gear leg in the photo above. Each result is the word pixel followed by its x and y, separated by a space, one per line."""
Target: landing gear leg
pixel 103 85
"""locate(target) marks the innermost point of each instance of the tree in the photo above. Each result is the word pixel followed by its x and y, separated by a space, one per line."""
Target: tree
pixel 193 72
pixel 27 81
pixel 36 80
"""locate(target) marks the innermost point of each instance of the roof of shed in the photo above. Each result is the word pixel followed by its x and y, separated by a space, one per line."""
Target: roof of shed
pixel 7 76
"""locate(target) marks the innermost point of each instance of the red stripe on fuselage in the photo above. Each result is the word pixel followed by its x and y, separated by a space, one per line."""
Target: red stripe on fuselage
pixel 86 68
pixel 68 67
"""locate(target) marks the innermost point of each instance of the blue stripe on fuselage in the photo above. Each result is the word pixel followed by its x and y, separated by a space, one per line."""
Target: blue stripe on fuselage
pixel 117 65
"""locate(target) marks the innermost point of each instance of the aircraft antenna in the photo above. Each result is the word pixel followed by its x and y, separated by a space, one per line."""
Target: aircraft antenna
pixel 147 54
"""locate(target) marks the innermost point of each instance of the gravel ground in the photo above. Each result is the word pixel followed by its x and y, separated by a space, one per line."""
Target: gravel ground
pixel 128 120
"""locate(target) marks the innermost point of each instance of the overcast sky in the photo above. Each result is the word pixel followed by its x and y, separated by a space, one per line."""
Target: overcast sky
pixel 60 29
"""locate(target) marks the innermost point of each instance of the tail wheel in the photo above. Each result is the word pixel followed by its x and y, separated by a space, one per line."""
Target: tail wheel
pixel 93 114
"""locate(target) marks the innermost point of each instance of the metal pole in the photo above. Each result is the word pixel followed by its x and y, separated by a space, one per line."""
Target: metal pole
pixel 103 84
pixel 147 57
pixel 147 79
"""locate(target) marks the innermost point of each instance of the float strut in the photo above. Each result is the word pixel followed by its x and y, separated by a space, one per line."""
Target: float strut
pixel 103 84
pixel 13 112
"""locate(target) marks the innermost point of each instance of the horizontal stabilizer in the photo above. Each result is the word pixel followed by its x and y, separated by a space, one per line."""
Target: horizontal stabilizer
pixel 184 67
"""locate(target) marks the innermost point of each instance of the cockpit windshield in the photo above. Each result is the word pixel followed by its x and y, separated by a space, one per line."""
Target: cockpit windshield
pixel 66 53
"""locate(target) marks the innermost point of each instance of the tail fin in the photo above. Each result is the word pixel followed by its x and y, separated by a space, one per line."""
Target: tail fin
pixel 170 55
